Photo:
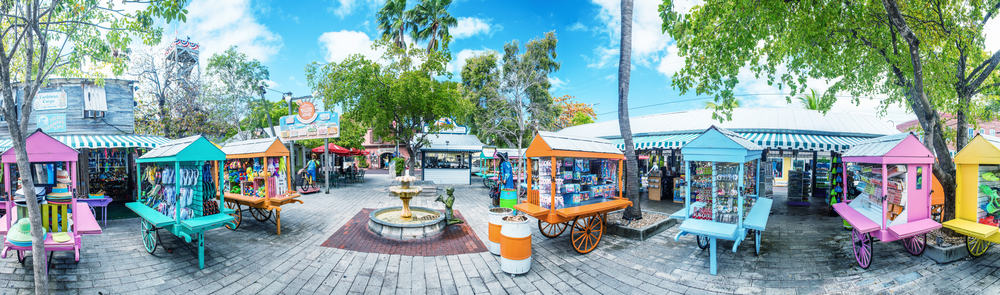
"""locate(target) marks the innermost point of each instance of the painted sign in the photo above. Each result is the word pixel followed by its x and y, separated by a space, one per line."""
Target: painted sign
pixel 51 122
pixel 50 100
pixel 309 124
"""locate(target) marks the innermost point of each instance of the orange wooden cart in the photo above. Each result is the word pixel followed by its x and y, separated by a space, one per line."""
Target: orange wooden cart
pixel 275 181
pixel 589 201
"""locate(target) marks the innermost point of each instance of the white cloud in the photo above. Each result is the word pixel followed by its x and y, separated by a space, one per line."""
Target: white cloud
pixel 578 27
pixel 603 57
pixel 340 44
pixel 344 7
pixel 459 62
pixel 671 63
pixel 991 31
pixel 217 25
pixel 470 26
pixel 557 84
pixel 648 40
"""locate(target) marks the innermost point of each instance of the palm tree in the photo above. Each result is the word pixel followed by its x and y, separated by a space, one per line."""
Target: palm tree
pixel 431 22
pixel 633 212
pixel 392 21
pixel 821 103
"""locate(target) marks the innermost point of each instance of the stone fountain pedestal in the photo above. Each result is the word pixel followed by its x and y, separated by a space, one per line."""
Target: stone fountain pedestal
pixel 405 222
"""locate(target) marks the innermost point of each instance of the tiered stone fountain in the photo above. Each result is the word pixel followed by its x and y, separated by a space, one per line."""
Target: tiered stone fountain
pixel 406 223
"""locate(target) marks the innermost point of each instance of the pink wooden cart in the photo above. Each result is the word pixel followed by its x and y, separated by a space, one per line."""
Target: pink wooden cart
pixel 893 175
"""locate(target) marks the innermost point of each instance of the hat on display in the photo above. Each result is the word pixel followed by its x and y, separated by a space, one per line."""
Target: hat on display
pixel 60 193
pixel 62 176
pixel 20 233
pixel 20 200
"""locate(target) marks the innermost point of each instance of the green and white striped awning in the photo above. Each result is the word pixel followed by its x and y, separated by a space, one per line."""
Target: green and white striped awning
pixel 102 141
pixel 788 141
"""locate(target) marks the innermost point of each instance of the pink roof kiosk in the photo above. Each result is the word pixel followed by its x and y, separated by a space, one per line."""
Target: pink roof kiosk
pixel 893 175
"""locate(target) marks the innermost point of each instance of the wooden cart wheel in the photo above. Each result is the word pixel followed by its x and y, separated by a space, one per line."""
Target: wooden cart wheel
pixel 862 248
pixel 237 214
pixel 915 244
pixel 976 246
pixel 586 233
pixel 702 242
pixel 260 214
pixel 550 230
pixel 149 236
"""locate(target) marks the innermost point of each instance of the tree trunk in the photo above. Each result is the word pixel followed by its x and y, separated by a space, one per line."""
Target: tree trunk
pixel 412 160
pixel 430 45
pixel 162 102
pixel 961 122
pixel 633 212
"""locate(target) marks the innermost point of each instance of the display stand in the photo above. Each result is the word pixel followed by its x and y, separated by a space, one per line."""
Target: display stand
pixel 655 185
pixel 179 183
pixel 259 178
pixel 723 201
pixel 579 182
pixel 48 157
pixel 977 204
pixel 894 174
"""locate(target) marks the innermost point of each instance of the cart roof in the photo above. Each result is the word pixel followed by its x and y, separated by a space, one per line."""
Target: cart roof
pixel 982 149
pixel 43 148
pixel 720 145
pixel 255 148
pixel 903 148
pixel 549 144
pixel 191 148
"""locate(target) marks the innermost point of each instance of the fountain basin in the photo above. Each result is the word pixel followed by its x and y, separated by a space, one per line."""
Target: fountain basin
pixel 388 223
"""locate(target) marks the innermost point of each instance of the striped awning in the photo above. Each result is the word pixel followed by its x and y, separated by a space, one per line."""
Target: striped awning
pixel 102 141
pixel 790 141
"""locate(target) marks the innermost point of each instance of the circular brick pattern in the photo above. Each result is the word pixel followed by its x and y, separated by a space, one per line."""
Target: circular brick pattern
pixel 804 251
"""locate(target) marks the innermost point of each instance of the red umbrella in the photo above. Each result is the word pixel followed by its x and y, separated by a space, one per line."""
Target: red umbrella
pixel 336 149
pixel 355 152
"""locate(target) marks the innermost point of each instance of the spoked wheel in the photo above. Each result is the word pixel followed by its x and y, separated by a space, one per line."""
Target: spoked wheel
pixel 550 230
pixel 587 233
pixel 702 242
pixel 149 236
pixel 862 248
pixel 976 246
pixel 260 214
pixel 915 244
pixel 237 214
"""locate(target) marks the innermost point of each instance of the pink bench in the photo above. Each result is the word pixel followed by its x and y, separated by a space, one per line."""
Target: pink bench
pixel 861 223
pixel 914 228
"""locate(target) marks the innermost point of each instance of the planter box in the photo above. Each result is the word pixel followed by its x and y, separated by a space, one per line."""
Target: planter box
pixel 946 254
pixel 641 234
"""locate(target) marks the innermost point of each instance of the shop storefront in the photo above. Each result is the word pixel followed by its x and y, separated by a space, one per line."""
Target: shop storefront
pixel 447 157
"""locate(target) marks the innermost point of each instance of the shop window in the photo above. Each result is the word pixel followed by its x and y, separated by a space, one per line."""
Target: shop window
pixel 920 178
pixel 445 160
pixel 971 131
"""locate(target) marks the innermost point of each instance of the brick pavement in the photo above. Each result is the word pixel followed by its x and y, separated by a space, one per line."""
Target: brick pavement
pixel 453 240
pixel 804 251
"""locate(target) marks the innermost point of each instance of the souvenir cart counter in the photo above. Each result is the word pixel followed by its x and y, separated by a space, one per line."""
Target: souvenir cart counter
pixel 177 192
pixel 53 166
pixel 722 199
pixel 893 174
pixel 579 182
pixel 977 204
pixel 257 177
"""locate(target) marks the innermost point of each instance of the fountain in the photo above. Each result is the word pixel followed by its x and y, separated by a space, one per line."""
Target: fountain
pixel 406 223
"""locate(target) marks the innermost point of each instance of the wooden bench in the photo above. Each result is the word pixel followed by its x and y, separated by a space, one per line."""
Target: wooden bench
pixel 860 223
pixel 200 224
pixel 972 229
pixel 914 228
pixel 154 217
pixel 756 219
pixel 713 231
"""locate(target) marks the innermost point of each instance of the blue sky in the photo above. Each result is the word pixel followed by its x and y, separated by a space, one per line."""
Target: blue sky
pixel 288 35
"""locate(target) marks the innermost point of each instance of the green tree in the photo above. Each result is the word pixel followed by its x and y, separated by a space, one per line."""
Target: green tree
pixel 580 119
pixel 431 21
pixel 396 100
pixel 240 79
pixel 821 103
pixel 633 212
pixel 393 22
pixel 40 38
pixel 864 48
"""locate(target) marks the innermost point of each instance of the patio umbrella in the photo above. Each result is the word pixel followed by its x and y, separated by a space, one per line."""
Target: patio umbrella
pixel 355 152
pixel 336 149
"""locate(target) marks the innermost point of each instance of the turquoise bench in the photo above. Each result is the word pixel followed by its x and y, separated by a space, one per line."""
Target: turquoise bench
pixel 154 217
pixel 713 231
pixel 756 219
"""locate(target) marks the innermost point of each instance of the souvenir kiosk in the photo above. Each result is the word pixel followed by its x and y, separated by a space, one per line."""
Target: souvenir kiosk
pixel 977 204
pixel 893 174
pixel 579 182
pixel 258 177
pixel 178 190
pixel 722 199
pixel 53 166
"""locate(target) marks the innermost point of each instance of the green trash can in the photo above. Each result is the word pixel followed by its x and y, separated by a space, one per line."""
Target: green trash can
pixel 508 198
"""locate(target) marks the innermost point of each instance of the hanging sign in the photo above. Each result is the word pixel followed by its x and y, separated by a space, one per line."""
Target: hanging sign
pixel 309 124
pixel 51 122
pixel 49 100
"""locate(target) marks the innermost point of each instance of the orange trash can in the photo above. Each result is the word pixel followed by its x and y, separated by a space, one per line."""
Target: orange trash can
pixel 496 221
pixel 515 245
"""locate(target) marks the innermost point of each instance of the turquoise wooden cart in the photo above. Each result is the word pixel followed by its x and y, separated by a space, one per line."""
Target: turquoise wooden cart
pixel 177 192
pixel 722 199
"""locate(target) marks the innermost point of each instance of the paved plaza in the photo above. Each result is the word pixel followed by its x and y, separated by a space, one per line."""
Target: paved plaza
pixel 804 251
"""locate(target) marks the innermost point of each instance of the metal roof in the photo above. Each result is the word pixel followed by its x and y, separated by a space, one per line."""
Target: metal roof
pixel 558 141
pixel 453 142
pixel 170 148
pixel 876 147
pixel 738 139
pixel 774 120
pixel 253 146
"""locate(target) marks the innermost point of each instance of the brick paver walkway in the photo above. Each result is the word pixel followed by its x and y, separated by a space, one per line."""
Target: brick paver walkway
pixel 804 251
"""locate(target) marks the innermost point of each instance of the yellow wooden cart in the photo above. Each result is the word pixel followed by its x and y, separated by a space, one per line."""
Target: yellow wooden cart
pixel 977 205
pixel 260 179
pixel 576 182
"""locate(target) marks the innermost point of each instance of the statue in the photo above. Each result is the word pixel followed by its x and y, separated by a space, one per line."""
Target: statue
pixel 448 202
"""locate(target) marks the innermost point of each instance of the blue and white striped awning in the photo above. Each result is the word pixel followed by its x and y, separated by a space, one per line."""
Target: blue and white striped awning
pixel 102 141
pixel 788 141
